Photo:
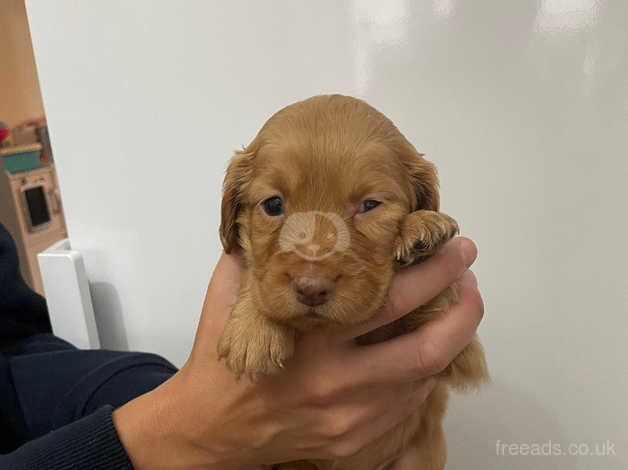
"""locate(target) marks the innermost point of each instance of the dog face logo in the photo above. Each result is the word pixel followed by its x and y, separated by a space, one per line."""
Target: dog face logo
pixel 314 235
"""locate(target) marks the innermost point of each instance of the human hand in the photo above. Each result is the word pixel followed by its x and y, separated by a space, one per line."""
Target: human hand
pixel 332 398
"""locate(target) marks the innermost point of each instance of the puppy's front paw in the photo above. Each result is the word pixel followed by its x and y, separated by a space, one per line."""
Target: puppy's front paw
pixel 255 346
pixel 422 233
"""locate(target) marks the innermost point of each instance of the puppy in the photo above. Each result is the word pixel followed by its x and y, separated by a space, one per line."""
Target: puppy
pixel 326 203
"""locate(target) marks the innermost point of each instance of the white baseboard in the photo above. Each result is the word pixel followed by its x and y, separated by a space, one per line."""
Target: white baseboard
pixel 67 294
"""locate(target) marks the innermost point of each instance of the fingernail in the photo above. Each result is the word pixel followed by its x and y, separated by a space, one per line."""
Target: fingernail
pixel 469 251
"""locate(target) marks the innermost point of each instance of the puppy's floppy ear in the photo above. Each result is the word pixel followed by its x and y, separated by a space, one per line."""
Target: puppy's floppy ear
pixel 423 179
pixel 239 174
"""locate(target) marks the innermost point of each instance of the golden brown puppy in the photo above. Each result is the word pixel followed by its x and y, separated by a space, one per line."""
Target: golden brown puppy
pixel 326 203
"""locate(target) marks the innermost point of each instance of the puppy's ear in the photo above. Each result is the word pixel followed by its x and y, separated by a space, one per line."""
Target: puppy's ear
pixel 423 179
pixel 239 174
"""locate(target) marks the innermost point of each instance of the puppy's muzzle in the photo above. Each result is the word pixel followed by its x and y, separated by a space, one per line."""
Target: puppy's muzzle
pixel 313 290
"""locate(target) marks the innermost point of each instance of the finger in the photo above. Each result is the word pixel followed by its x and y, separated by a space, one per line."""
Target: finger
pixel 408 392
pixel 221 294
pixel 417 285
pixel 408 458
pixel 223 287
pixel 227 273
pixel 426 351
pixel 380 423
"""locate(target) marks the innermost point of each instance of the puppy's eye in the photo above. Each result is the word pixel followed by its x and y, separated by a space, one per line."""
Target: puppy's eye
pixel 368 205
pixel 273 206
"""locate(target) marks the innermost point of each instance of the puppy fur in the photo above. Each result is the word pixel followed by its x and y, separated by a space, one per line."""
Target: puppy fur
pixel 328 154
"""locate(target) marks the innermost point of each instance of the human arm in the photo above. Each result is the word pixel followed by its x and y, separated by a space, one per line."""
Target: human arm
pixel 91 442
pixel 333 396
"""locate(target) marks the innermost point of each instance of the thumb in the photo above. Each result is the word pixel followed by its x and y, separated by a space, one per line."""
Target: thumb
pixel 220 296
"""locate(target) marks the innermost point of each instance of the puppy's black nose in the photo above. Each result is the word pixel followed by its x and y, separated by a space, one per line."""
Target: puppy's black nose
pixel 313 291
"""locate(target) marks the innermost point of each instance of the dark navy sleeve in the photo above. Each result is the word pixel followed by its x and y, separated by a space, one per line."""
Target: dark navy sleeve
pixel 87 444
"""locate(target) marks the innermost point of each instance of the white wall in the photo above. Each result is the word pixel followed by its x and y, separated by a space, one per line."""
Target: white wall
pixel 522 105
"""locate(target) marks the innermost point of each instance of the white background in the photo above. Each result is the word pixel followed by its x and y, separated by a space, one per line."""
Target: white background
pixel 522 105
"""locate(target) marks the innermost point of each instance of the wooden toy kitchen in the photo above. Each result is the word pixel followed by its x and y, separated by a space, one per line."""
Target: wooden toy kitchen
pixel 30 204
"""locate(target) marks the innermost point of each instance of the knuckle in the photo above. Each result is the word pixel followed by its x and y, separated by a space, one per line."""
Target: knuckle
pixel 475 304
pixel 321 392
pixel 471 296
pixel 430 359
pixel 478 304
pixel 324 388
pixel 465 253
pixel 339 425
pixel 262 440
pixel 344 449
pixel 453 259
pixel 461 255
